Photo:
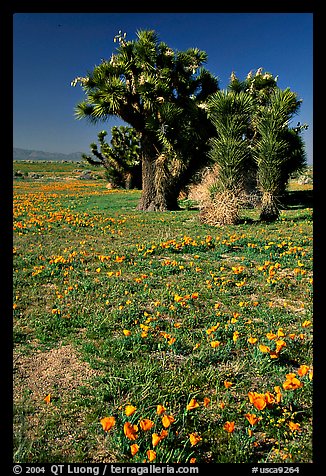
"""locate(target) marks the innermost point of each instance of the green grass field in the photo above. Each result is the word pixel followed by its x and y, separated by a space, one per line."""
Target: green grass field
pixel 151 337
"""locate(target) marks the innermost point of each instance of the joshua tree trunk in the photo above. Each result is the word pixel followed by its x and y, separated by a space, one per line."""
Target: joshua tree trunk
pixel 269 207
pixel 159 191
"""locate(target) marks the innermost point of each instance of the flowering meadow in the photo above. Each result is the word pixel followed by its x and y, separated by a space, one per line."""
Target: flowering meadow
pixel 190 343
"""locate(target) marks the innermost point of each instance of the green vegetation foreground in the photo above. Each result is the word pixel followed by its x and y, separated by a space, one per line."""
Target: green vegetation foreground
pixel 149 337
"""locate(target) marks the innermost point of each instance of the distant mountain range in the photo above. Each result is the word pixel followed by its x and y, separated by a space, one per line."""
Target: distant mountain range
pixel 26 154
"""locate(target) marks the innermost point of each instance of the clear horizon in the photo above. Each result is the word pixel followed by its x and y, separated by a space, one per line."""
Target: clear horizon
pixel 51 49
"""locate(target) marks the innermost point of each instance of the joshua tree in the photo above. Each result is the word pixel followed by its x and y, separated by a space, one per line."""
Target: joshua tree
pixel 230 113
pixel 161 94
pixel 121 160
pixel 277 149
pixel 253 140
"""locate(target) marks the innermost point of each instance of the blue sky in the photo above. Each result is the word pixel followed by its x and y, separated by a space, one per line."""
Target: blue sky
pixel 51 49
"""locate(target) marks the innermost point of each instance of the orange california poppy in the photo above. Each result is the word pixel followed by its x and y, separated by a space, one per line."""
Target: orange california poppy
pixel 146 424
pixel 215 343
pixel 294 426
pixel 134 449
pixel 251 396
pixel 192 404
pixel 163 434
pixel 269 398
pixel 126 332
pixel 264 348
pixel 47 399
pixel 130 410
pixel 303 370
pixel 160 409
pixel 107 423
pixel 206 402
pixel 155 439
pixel 252 418
pixel 167 420
pixel 235 336
pixel 279 345
pixel 252 340
pixel 291 382
pixel 151 455
pixel 227 384
pixel 229 426
pixel 271 336
pixel 194 439
pixel 278 397
pixel 260 402
pixel 257 399
pixel 130 430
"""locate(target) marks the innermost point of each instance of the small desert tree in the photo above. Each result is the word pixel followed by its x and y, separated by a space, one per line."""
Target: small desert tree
pixel 230 113
pixel 254 141
pixel 121 159
pixel 277 149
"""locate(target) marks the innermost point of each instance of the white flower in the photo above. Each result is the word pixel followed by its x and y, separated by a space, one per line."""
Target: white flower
pixel 233 76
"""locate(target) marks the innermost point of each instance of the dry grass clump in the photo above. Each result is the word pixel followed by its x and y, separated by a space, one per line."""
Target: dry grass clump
pixel 221 207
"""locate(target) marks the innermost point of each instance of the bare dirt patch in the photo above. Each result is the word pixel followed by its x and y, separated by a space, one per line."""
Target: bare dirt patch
pixel 58 372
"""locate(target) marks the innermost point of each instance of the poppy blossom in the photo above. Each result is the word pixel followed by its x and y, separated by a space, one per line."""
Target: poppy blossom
pixel 252 418
pixel 303 370
pixel 126 332
pixel 151 455
pixel 252 340
pixel 146 424
pixel 258 400
pixel 235 336
pixel 194 439
pixel 291 382
pixel 167 420
pixel 130 410
pixel 192 404
pixel 294 426
pixel 279 345
pixel 215 343
pixel 271 335
pixel 107 423
pixel 206 402
pixel 227 384
pixel 306 324
pixel 163 434
pixel 229 426
pixel 155 439
pixel 259 403
pixel 134 449
pixel 130 430
pixel 160 409
pixel 47 399
pixel 269 397
pixel 264 348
